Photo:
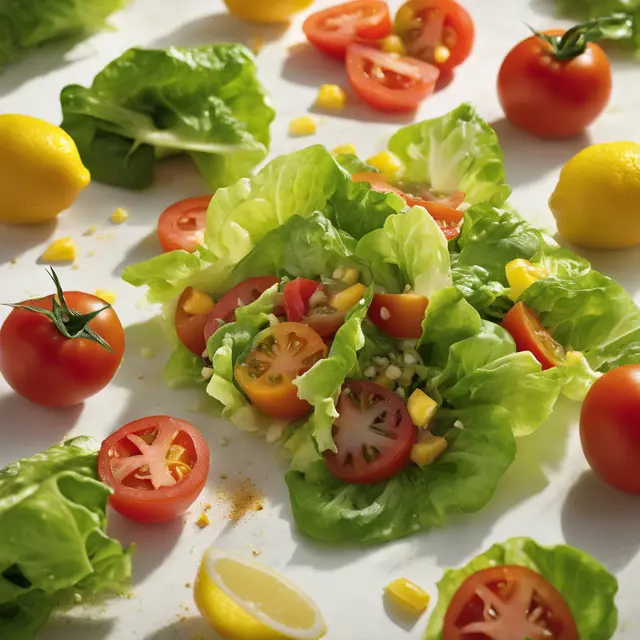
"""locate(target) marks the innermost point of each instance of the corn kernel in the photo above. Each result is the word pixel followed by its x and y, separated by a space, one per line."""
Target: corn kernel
pixel 198 303
pixel 119 216
pixel 303 126
pixel 351 276
pixel 441 54
pixel 408 595
pixel 421 408
pixel 61 250
pixel 521 274
pixel 344 148
pixel 108 296
pixel 331 96
pixel 383 381
pixel 203 521
pixel 385 162
pixel 393 44
pixel 345 300
pixel 90 231
pixel 428 449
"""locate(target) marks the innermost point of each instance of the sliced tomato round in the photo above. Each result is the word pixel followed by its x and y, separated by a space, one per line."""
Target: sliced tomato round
pixel 373 434
pixel 440 32
pixel 296 297
pixel 242 294
pixel 529 335
pixel 157 467
pixel 277 356
pixel 399 315
pixel 325 320
pixel 511 602
pixel 331 30
pixel 181 226
pixel 389 82
pixel 190 327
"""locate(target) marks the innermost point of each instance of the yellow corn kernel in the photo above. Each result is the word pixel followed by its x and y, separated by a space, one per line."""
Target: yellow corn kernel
pixel 61 250
pixel 441 54
pixel 385 162
pixel 344 148
pixel 393 44
pixel 198 303
pixel 108 296
pixel 203 521
pixel 303 126
pixel 331 96
pixel 428 449
pixel 383 381
pixel 521 274
pixel 408 595
pixel 421 408
pixel 345 300
pixel 119 216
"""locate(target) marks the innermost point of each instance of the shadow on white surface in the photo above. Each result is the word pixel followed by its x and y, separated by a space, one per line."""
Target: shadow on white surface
pixel 16 239
pixel 398 616
pixel 145 249
pixel 186 628
pixel 602 521
pixel 60 627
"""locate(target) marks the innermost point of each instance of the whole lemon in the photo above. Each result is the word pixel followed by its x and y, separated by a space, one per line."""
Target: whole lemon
pixel 596 202
pixel 266 10
pixel 41 172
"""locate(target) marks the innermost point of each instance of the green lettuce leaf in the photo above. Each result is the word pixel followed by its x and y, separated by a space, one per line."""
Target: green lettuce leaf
pixel 54 548
pixel 585 584
pixel 456 152
pixel 25 24
pixel 205 101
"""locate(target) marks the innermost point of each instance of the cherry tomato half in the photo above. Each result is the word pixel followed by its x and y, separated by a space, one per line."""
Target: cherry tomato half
pixel 399 315
pixel 440 32
pixel 331 30
pixel 181 226
pixel 387 82
pixel 374 434
pixel 508 601
pixel 43 365
pixel 190 327
pixel 610 429
pixel 277 356
pixel 296 297
pixel 529 335
pixel 157 467
pixel 553 98
pixel 242 294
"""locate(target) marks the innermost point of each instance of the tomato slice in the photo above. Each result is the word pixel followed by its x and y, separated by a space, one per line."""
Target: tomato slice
pixel 190 327
pixel 277 356
pixel 529 335
pixel 157 466
pixel 450 229
pixel 440 32
pixel 399 315
pixel 508 603
pixel 332 29
pixel 389 82
pixel 296 297
pixel 242 294
pixel 181 226
pixel 373 434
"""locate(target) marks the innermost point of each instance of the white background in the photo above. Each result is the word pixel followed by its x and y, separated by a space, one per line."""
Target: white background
pixel 548 493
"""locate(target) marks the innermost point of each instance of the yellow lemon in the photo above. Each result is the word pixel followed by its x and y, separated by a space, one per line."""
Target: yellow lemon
pixel 596 203
pixel 41 172
pixel 266 10
pixel 244 600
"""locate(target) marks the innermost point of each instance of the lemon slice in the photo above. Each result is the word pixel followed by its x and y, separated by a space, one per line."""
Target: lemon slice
pixel 244 600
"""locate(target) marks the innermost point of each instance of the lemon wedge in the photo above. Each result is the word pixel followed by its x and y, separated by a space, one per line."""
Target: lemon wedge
pixel 244 600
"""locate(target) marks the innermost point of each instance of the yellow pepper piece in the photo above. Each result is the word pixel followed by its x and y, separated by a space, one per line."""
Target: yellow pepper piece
pixel 303 126
pixel 198 303
pixel 428 449
pixel 119 216
pixel 408 595
pixel 345 300
pixel 521 274
pixel 108 296
pixel 331 96
pixel 385 162
pixel 61 250
pixel 421 408
pixel 393 44
pixel 203 521
pixel 344 148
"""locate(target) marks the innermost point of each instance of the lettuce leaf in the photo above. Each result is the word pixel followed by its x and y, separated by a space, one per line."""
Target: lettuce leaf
pixel 54 547
pixel 585 584
pixel 205 101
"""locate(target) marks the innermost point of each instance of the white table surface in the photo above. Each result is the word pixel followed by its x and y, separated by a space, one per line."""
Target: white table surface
pixel 548 493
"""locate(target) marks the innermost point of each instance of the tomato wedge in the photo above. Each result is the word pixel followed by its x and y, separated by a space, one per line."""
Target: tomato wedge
pixel 242 294
pixel 399 315
pixel 373 434
pixel 157 467
pixel 450 229
pixel 440 32
pixel 529 335
pixel 277 356
pixel 296 297
pixel 389 82
pixel 508 602
pixel 331 30
pixel 181 226
pixel 190 327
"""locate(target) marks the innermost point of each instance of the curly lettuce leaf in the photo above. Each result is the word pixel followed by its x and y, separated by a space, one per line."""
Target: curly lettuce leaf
pixel 54 547
pixel 586 586
pixel 205 101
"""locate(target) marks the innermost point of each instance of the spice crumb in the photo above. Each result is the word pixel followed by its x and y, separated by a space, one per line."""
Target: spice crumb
pixel 187 585
pixel 203 521
pixel 140 376
pixel 223 476
pixel 243 498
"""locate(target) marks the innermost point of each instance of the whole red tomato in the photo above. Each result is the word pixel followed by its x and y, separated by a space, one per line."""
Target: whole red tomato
pixel 549 95
pixel 58 354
